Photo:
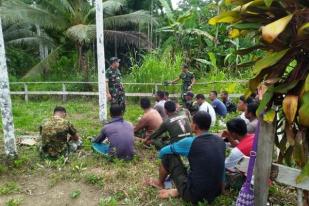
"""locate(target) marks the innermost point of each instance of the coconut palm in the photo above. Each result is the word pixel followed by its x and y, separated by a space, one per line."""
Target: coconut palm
pixel 74 21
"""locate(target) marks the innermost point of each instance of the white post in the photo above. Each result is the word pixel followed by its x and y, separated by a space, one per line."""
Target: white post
pixel 101 61
pixel 5 103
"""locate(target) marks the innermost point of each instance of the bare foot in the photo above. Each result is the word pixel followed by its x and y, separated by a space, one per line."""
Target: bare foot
pixel 154 183
pixel 164 194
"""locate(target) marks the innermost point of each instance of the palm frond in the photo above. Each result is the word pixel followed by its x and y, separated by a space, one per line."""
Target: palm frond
pixel 168 10
pixel 110 7
pixel 13 11
pixel 81 33
pixel 38 69
pixel 134 18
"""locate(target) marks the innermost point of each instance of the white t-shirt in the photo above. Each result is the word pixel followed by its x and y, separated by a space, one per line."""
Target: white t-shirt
pixel 231 161
pixel 206 107
pixel 243 116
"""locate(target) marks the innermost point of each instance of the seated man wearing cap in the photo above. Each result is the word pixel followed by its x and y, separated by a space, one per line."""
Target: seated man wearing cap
pixel 115 90
pixel 189 103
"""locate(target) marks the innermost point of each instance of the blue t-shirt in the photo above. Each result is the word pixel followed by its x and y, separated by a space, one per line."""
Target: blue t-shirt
pixel 219 107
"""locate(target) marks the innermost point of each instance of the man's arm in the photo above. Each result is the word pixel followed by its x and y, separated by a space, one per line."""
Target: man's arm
pixel 231 161
pixel 159 131
pixel 73 133
pixel 182 147
pixel 101 137
pixel 140 125
pixel 175 80
pixel 193 82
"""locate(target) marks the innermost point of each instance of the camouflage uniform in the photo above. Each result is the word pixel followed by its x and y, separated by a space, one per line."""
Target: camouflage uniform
pixel 54 136
pixel 187 79
pixel 115 86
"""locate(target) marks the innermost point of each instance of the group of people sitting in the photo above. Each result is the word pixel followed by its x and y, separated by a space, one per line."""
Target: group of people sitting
pixel 174 131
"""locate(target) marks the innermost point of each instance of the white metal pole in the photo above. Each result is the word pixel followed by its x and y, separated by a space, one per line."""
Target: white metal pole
pixel 6 103
pixel 101 61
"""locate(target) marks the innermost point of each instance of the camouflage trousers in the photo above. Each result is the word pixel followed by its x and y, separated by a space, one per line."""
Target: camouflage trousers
pixel 118 97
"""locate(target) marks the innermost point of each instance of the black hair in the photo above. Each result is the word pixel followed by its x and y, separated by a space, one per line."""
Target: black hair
pixel 252 107
pixel 200 96
pixel 116 110
pixel 185 66
pixel 249 100
pixel 59 109
pixel 225 92
pixel 214 92
pixel 160 94
pixel 203 120
pixel 237 126
pixel 170 106
pixel 145 103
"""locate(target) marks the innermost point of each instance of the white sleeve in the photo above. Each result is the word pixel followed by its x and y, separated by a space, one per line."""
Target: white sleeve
pixel 231 161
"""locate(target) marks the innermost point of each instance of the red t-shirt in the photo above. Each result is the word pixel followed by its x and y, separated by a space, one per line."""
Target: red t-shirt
pixel 245 145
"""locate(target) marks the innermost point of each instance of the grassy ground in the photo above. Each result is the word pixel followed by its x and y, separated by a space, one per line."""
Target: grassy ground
pixel 86 179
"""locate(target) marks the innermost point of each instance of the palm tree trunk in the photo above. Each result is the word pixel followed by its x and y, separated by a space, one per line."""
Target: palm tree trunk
pixel 101 61
pixel 5 103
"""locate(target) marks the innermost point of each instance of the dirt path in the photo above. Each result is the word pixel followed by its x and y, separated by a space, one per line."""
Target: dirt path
pixel 36 191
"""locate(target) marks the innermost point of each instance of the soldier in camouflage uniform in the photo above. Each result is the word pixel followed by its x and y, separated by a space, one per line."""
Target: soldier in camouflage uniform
pixel 58 135
pixel 188 80
pixel 115 90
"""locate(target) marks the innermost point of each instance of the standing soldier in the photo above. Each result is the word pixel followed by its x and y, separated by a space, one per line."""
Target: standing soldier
pixel 115 90
pixel 188 81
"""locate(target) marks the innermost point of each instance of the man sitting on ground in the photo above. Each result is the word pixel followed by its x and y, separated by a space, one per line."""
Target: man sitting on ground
pixel 250 114
pixel 150 121
pixel 230 106
pixel 120 135
pixel 58 135
pixel 219 107
pixel 160 101
pixel 189 103
pixel 176 125
pixel 206 155
pixel 242 106
pixel 206 107
pixel 242 145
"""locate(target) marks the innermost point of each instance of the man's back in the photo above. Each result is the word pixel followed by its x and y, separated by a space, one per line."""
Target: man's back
pixel 206 158
pixel 219 107
pixel 206 107
pixel 159 106
pixel 121 137
pixel 151 121
pixel 54 133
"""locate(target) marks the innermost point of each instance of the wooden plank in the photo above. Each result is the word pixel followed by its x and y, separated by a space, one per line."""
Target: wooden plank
pixel 263 163
pixel 281 174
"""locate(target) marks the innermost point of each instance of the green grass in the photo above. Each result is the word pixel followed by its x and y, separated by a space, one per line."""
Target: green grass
pixel 120 182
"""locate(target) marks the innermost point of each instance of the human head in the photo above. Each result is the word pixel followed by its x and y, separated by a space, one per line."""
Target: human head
pixel 213 95
pixel 166 95
pixel 60 111
pixel 159 95
pixel 224 95
pixel 237 128
pixel 250 112
pixel 243 102
pixel 189 96
pixel 115 62
pixel 200 99
pixel 185 68
pixel 170 107
pixel 201 122
pixel 145 103
pixel 115 110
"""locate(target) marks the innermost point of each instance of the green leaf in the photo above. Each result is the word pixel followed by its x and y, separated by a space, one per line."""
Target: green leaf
pixel 270 59
pixel 304 174
pixel 268 2
pixel 75 194
pixel 284 88
pixel 246 26
pixel 302 30
pixel 269 116
pixel 266 99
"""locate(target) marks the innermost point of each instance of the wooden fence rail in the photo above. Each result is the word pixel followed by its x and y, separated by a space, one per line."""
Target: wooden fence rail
pixel 64 93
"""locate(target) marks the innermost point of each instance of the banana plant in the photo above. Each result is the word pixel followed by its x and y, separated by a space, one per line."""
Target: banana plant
pixel 282 28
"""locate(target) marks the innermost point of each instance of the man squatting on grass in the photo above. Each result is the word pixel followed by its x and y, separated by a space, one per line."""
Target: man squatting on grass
pixel 205 152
